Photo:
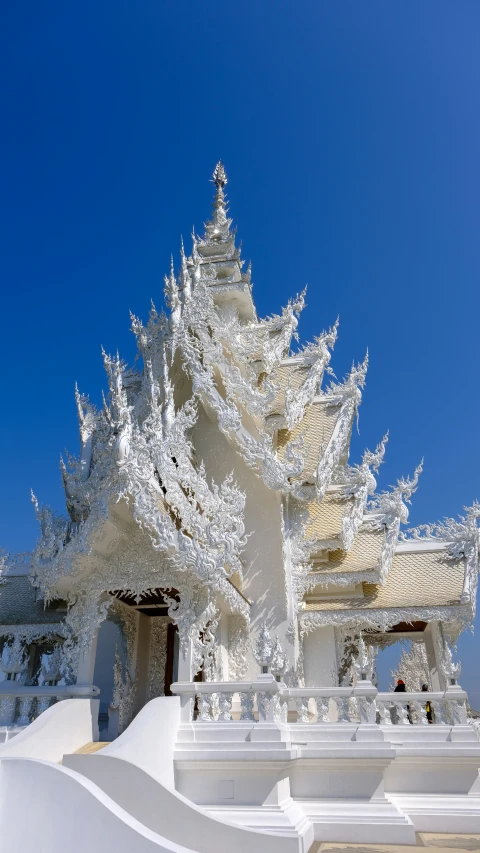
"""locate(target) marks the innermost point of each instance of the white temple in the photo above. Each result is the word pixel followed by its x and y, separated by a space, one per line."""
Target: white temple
pixel 219 588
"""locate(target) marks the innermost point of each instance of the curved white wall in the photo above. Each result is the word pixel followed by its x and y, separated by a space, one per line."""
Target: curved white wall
pixel 46 808
pixel 136 771
pixel 170 814
pixel 64 727
pixel 149 740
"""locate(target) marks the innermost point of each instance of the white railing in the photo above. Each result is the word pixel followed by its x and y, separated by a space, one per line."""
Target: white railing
pixel 448 707
pixel 267 700
pixel 214 699
pixel 348 704
pixel 19 704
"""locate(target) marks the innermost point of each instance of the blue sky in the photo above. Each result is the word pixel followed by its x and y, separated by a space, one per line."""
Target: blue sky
pixel 350 133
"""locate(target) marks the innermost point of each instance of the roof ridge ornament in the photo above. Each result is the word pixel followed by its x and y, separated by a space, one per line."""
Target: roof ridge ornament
pixel 219 176
pixel 388 508
pixel 359 484
pixel 462 535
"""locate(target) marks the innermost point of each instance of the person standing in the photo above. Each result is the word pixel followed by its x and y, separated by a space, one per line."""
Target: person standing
pixel 428 706
pixel 400 688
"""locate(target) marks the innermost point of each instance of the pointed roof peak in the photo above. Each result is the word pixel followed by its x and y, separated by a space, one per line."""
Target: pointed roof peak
pixel 219 176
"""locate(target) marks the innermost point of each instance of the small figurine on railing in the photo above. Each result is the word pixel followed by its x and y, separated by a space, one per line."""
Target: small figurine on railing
pixel 269 654
pixel 14 660
pixel 263 649
pixel 363 663
pixel 278 663
pixel 52 669
pixel 451 668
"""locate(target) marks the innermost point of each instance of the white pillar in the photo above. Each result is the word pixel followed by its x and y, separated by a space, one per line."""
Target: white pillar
pixel 223 644
pixel 185 664
pixel 142 660
pixel 433 646
pixel 86 661
pixel 320 658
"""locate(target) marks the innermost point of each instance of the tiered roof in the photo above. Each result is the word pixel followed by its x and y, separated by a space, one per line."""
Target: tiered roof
pixel 212 350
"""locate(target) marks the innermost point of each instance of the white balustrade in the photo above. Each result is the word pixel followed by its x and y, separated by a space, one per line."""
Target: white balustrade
pixel 353 704
pixel 267 700
pixel 25 710
pixel 8 707
pixel 214 699
pixel 20 704
pixel 447 707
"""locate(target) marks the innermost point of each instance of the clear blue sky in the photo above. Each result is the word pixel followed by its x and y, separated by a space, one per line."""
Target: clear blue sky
pixel 351 136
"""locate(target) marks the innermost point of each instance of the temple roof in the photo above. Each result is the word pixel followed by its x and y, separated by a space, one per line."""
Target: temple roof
pixel 325 518
pixel 426 579
pixel 19 604
pixel 288 374
pixel 364 556
pixel 316 428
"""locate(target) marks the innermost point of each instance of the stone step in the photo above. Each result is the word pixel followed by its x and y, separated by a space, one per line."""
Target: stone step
pixel 88 748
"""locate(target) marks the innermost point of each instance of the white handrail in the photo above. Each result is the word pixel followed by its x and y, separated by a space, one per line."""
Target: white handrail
pixel 66 691
pixel 363 689
pixel 22 703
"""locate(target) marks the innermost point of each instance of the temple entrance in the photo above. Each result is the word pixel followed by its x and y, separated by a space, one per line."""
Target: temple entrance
pixel 137 656
pixel 109 643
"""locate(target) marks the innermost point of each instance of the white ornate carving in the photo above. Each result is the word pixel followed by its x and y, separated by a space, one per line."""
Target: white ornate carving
pixel 359 483
pixel 263 647
pixel 451 668
pixel 382 620
pixel 158 656
pixel 348 396
pixel 278 663
pixel 238 647
pixel 14 659
pixel 386 511
pixel 53 669
pixel 316 357
pixel 124 691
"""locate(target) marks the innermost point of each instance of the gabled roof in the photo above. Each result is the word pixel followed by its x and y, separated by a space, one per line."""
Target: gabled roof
pixel 324 523
pixel 416 582
pixel 364 558
pixel 316 428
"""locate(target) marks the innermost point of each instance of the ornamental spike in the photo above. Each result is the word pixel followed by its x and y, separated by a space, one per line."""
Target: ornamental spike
pixel 219 176
pixel 34 501
pixel 408 487
pixel 78 400
pixel 375 459
pixel 63 468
